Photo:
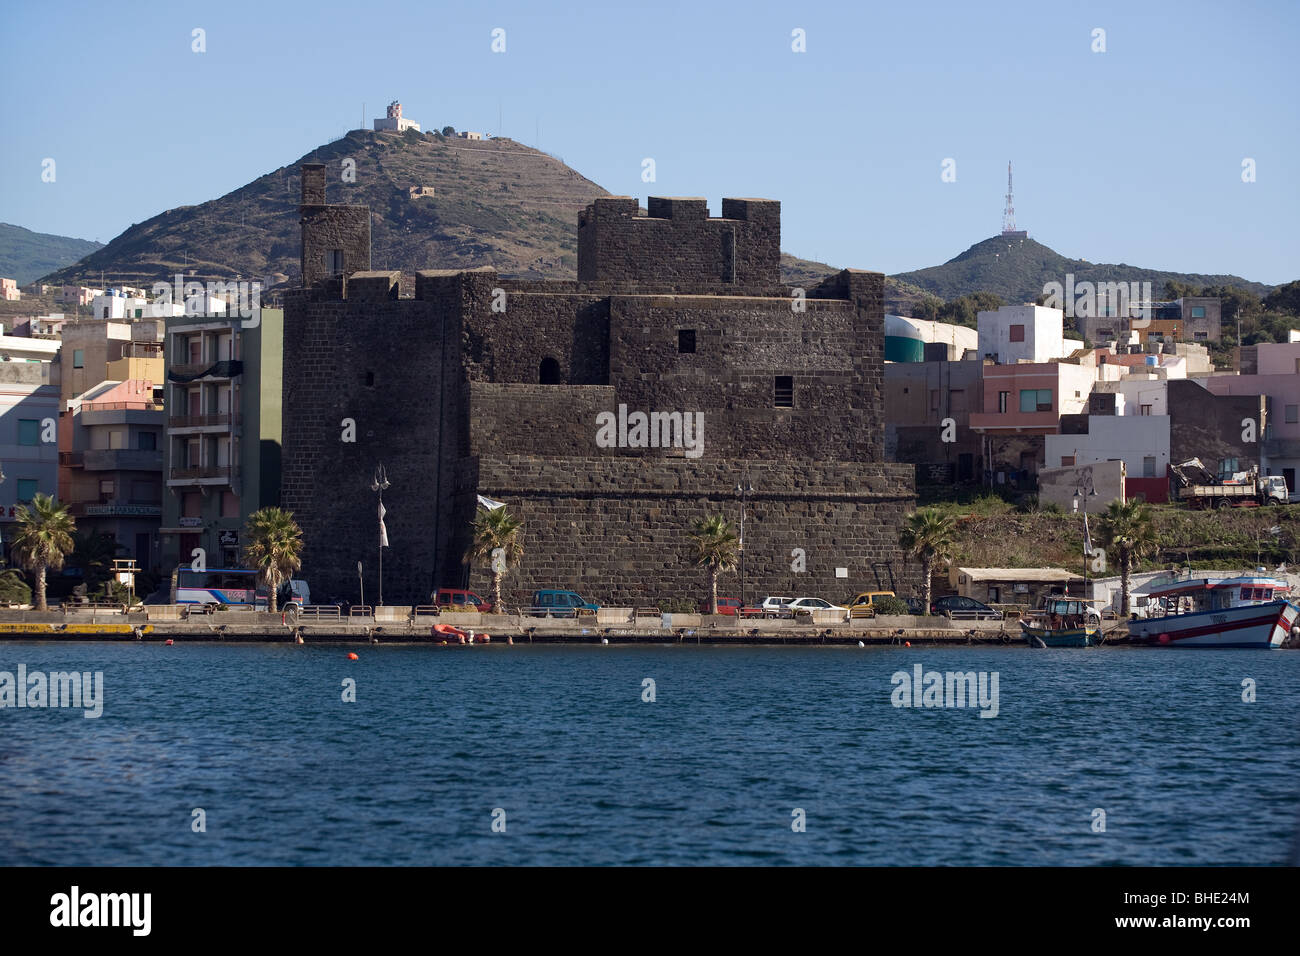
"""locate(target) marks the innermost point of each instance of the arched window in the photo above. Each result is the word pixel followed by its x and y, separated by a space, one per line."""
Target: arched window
pixel 549 372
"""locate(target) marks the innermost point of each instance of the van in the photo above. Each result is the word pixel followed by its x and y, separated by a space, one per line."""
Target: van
pixel 459 597
pixel 560 604
pixel 864 604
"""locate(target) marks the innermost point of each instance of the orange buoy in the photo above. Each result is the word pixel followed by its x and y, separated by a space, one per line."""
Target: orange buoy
pixel 907 643
pixel 1164 638
pixel 170 642
pixel 353 657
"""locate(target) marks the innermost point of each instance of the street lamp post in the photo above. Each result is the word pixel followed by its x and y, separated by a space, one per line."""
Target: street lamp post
pixel 379 483
pixel 1087 545
pixel 744 492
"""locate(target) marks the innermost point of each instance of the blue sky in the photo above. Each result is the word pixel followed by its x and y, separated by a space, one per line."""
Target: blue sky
pixel 1132 155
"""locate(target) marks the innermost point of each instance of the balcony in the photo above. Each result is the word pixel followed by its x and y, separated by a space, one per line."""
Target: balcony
pixel 70 459
pixel 121 459
pixel 192 372
pixel 218 420
pixel 203 475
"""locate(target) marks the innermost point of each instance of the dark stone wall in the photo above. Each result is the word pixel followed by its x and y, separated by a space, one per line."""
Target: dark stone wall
pixel 677 243
pixel 1209 427
pixel 615 529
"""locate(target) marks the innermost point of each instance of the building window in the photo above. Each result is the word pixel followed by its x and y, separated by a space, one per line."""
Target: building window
pixel 146 441
pixel 370 379
pixel 1198 311
pixel 686 341
pixel 1148 467
pixel 229 504
pixel 548 373
pixel 1017 333
pixel 26 490
pixel 934 399
pixel 1003 398
pixel 1035 399
pixel 783 391
pixel 78 358
pixel 106 488
pixel 334 261
pixel 29 431
pixel 1067 461
pixel 1144 409
pixel 1200 336
pixel 1291 414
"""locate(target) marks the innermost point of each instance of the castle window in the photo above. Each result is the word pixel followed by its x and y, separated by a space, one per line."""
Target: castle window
pixel 686 341
pixel 784 391
pixel 334 261
pixel 549 372
pixel 370 379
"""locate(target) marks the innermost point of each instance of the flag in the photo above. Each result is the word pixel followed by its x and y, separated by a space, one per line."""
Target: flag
pixel 1087 537
pixel 383 532
pixel 489 504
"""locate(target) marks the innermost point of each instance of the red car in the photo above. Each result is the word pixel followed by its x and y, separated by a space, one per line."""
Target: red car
pixel 459 597
pixel 725 606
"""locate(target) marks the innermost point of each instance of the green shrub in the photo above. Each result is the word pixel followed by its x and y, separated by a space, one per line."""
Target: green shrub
pixel 14 588
pixel 890 605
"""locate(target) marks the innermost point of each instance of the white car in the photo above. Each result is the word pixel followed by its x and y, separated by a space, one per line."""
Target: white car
pixel 814 604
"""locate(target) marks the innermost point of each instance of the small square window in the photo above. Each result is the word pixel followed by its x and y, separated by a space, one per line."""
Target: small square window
pixel 1017 333
pixel 1067 460
pixel 1200 336
pixel 29 431
pixel 784 391
pixel 685 341
pixel 1198 311
pixel 78 358
pixel 147 441
pixel 1292 415
pixel 26 489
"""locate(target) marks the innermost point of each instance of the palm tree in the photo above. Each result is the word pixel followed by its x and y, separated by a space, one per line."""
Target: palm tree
pixel 1127 534
pixel 274 548
pixel 43 540
pixel 495 529
pixel 928 536
pixel 716 547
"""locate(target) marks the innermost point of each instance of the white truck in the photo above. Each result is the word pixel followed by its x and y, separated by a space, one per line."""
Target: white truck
pixel 1244 489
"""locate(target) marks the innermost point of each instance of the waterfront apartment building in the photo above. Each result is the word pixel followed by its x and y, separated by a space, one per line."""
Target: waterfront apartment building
pixel 29 452
pixel 222 443
pixel 110 465
pixel 90 345
pixel 1277 378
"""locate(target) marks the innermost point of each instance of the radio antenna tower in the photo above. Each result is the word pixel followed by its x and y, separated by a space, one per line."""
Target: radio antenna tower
pixel 1009 214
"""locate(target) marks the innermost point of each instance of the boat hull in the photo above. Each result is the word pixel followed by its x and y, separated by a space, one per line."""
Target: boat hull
pixel 1249 626
pixel 1066 637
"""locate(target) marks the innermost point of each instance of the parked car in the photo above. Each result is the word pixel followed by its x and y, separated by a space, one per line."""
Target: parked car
pixel 814 604
pixel 459 597
pixel 768 607
pixel 862 605
pixel 560 604
pixel 729 606
pixel 915 606
pixel 958 607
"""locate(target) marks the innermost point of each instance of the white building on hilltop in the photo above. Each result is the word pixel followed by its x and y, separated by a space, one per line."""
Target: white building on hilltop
pixel 394 122
pixel 1024 333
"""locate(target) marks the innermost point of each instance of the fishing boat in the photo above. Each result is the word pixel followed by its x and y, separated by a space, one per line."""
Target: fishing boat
pixel 1245 610
pixel 1062 622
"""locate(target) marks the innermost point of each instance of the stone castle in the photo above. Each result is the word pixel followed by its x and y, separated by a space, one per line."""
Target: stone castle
pixel 472 384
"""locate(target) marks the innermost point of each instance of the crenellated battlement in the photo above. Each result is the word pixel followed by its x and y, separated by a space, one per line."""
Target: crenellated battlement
pixel 675 242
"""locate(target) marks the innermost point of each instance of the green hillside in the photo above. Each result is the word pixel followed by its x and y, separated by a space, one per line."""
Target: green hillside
pixel 27 255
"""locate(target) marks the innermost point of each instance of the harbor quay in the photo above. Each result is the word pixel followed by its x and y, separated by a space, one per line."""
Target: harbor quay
pixel 402 625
